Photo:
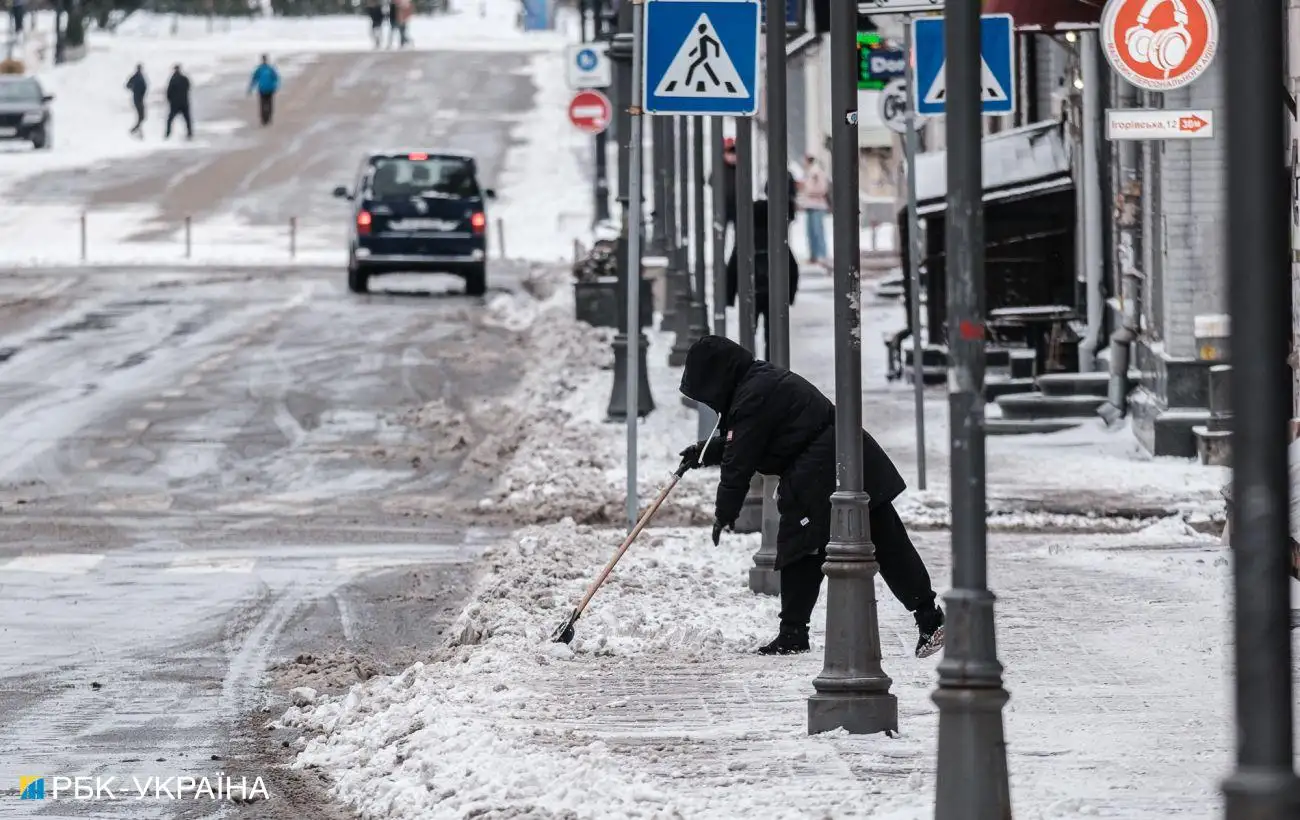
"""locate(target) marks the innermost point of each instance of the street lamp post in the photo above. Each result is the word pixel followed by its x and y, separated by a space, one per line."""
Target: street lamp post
pixel 763 577
pixel 700 238
pixel 667 177
pixel 852 690
pixel 1263 786
pixel 620 52
pixel 688 304
pixel 598 32
pixel 972 771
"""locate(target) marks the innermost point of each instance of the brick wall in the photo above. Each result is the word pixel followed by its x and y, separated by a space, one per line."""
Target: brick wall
pixel 1192 201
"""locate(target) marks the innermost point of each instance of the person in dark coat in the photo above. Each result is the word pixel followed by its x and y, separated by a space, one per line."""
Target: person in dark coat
pixel 775 423
pixel 178 102
pixel 138 86
pixel 761 289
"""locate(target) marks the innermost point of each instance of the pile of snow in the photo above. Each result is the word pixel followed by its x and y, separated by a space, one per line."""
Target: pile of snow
pixel 572 461
pixel 469 734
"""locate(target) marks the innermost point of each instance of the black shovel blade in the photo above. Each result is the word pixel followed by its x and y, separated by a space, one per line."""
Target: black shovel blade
pixel 565 633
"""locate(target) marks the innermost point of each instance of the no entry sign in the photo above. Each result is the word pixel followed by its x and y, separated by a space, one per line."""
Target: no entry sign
pixel 590 111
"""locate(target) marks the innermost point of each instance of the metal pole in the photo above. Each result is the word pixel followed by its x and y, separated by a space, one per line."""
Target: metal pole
pixel 1094 210
pixel 852 690
pixel 763 577
pixel 699 315
pixel 634 264
pixel 83 236
pixel 672 276
pixel 599 31
pixel 971 782
pixel 745 228
pixel 685 293
pixel 914 251
pixel 630 343
pixel 717 163
pixel 1263 786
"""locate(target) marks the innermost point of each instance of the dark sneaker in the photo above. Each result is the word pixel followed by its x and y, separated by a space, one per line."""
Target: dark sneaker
pixel 786 643
pixel 930 625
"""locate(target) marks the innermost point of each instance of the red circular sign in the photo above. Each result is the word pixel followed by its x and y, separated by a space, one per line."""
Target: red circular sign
pixel 1159 44
pixel 590 111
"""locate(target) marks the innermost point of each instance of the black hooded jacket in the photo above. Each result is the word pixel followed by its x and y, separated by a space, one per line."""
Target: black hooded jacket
pixel 776 423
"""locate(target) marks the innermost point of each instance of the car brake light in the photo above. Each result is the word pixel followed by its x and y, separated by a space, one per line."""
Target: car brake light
pixel 363 222
pixel 478 221
pixel 417 157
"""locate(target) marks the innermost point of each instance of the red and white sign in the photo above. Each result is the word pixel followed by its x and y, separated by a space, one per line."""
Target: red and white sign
pixel 1155 124
pixel 590 111
pixel 1159 44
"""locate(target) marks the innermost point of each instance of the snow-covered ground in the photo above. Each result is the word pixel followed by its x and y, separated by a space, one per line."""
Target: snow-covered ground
pixel 573 461
pixel 1114 646
pixel 543 205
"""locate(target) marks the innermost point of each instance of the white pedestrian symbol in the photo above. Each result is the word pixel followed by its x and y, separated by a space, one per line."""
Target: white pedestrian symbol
pixel 702 67
pixel 990 89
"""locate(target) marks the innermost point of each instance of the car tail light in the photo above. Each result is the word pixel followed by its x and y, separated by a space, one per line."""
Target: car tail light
pixel 478 221
pixel 363 222
pixel 417 157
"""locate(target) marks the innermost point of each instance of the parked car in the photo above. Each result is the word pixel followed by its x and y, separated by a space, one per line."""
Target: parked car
pixel 418 212
pixel 25 111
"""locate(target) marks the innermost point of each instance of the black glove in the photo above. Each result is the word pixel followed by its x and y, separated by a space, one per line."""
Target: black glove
pixel 702 454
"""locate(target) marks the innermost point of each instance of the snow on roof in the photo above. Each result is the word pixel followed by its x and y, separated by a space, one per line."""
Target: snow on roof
pixel 1018 161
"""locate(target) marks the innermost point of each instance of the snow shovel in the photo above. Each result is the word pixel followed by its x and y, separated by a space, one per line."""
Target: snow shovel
pixel 565 633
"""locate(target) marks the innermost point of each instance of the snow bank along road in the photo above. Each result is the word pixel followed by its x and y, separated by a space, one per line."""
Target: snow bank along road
pixel 194 475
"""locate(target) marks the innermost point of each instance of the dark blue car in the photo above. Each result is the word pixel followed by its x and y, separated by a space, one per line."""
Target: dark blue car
pixel 418 212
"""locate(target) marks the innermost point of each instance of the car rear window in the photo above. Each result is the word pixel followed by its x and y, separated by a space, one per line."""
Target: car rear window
pixel 20 91
pixel 432 176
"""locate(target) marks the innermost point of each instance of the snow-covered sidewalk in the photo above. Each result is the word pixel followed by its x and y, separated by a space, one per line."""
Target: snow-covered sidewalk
pixel 572 462
pixel 1114 648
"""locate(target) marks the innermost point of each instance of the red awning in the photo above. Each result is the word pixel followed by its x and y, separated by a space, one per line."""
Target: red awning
pixel 1048 15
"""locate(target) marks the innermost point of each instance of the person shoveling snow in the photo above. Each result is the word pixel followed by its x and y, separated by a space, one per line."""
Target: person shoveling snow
pixel 777 423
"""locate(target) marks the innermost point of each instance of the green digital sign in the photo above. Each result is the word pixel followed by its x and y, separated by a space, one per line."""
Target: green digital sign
pixel 878 62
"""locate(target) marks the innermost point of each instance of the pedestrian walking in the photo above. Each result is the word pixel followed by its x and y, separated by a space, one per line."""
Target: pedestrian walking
pixel 138 86
pixel 266 81
pixel 18 19
pixel 761 289
pixel 390 10
pixel 775 423
pixel 813 199
pixel 402 10
pixel 178 102
pixel 375 10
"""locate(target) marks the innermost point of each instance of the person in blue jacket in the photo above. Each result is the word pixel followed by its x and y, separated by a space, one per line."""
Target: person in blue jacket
pixel 266 80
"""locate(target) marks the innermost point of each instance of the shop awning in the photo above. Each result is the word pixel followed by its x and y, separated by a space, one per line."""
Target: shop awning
pixel 1048 15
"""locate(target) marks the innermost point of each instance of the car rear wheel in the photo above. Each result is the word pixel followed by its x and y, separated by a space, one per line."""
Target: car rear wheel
pixel 476 280
pixel 358 278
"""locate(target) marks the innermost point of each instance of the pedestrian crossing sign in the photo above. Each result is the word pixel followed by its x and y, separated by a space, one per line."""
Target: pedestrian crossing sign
pixel 701 57
pixel 997 65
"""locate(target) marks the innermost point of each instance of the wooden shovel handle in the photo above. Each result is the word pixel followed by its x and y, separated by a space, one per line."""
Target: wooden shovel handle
pixel 641 524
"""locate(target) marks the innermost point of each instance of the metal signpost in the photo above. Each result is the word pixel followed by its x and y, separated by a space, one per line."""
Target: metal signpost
pixel 971 780
pixel 635 149
pixel 852 690
pixel 701 59
pixel 913 254
pixel 1263 785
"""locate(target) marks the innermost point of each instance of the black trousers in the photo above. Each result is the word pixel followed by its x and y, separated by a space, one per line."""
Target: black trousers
pixel 266 106
pixel 139 115
pixel 900 565
pixel 184 113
